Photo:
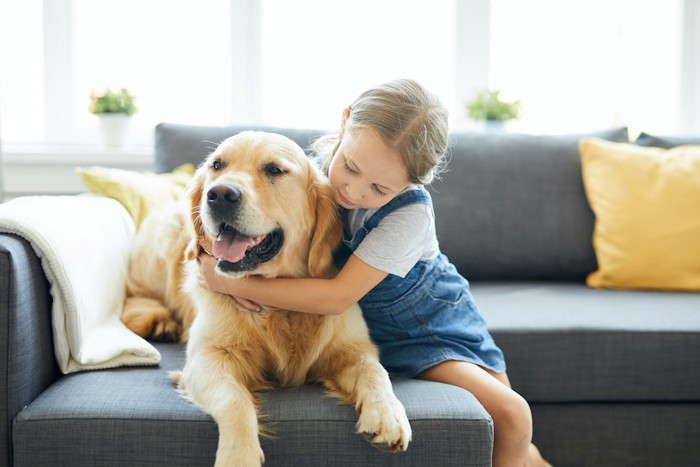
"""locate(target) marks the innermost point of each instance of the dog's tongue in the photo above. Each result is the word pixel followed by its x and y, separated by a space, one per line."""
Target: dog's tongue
pixel 231 246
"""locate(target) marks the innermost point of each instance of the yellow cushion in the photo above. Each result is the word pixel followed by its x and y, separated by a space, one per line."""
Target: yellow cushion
pixel 139 192
pixel 647 207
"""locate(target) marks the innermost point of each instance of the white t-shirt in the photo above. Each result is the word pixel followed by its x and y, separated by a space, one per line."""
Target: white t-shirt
pixel 405 236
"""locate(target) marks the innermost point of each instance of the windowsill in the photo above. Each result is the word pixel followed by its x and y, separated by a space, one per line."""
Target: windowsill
pixel 76 154
pixel 49 169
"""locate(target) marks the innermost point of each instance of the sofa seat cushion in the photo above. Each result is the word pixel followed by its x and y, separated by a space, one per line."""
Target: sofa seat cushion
pixel 566 342
pixel 134 416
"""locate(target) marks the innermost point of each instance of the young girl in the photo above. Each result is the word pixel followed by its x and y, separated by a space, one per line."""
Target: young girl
pixel 419 310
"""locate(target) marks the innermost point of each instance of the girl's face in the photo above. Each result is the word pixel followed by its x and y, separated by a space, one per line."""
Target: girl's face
pixel 365 172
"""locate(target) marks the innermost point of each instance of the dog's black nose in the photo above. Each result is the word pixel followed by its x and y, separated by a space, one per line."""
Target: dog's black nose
pixel 223 194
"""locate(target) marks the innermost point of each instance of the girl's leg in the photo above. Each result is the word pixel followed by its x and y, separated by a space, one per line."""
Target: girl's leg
pixel 534 456
pixel 512 420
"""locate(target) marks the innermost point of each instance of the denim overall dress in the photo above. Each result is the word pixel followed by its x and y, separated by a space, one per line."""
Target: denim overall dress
pixel 426 317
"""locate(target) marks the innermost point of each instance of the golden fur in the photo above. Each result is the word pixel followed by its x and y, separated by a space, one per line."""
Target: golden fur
pixel 233 352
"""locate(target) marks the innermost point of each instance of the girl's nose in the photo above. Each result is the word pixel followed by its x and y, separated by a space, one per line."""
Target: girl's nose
pixel 353 193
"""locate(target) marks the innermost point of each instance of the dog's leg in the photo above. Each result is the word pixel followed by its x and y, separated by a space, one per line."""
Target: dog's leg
pixel 232 406
pixel 382 417
pixel 149 318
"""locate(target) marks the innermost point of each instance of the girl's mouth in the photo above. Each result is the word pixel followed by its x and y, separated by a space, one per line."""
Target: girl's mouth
pixel 345 201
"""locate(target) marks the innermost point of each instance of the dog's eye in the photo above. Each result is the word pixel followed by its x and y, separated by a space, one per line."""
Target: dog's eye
pixel 272 169
pixel 217 165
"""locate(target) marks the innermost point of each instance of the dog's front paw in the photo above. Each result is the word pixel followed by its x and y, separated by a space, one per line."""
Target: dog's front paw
pixel 385 425
pixel 247 456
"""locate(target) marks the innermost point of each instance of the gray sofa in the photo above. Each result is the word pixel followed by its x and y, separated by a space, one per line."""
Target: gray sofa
pixel 613 377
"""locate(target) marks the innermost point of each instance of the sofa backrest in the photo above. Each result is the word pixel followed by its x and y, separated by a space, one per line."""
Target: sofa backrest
pixel 513 207
pixel 510 206
pixel 666 142
pixel 176 144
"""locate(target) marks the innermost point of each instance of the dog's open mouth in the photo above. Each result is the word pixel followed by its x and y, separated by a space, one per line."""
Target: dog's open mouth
pixel 238 252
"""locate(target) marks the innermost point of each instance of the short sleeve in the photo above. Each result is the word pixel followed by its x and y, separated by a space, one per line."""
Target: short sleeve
pixel 399 241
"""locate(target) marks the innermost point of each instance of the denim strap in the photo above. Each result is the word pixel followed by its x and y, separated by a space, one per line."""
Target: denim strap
pixel 404 199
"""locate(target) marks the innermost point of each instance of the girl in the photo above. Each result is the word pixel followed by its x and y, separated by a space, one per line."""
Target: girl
pixel 419 310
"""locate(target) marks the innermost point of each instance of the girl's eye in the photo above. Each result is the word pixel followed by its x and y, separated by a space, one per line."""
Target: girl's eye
pixel 348 168
pixel 217 165
pixel 378 191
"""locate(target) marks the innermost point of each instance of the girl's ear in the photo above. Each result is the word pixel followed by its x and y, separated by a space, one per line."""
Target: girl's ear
pixel 327 229
pixel 193 195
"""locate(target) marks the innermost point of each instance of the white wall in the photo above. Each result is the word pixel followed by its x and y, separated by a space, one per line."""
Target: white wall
pixel 690 91
pixel 51 172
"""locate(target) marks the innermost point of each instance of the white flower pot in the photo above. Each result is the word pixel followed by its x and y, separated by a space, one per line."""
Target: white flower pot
pixel 115 129
pixel 495 126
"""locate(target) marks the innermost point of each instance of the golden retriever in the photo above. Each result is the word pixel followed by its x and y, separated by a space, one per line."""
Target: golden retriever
pixel 260 206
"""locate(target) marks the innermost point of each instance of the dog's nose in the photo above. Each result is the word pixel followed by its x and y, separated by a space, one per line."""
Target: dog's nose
pixel 224 194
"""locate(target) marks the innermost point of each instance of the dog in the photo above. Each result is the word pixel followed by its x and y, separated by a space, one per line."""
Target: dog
pixel 260 205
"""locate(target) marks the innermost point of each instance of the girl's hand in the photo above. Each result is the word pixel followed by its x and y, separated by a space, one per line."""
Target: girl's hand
pixel 248 305
pixel 210 280
pixel 207 275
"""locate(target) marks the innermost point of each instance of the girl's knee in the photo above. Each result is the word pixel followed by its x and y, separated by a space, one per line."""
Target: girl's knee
pixel 514 419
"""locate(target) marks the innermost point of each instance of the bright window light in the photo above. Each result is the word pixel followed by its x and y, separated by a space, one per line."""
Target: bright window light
pixel 172 55
pixel 318 63
pixel 579 66
pixel 576 66
pixel 21 70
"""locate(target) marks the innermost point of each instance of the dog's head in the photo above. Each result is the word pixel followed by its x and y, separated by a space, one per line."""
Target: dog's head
pixel 260 206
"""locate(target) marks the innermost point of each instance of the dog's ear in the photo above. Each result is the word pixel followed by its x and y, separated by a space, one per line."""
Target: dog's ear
pixel 193 197
pixel 327 229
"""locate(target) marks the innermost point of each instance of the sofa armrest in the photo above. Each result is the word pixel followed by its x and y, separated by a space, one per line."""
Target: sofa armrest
pixel 27 365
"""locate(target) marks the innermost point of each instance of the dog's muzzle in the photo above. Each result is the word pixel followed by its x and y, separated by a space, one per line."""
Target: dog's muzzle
pixel 236 250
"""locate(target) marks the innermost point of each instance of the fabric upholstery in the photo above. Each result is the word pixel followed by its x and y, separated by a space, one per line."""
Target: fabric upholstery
pixel 566 342
pixel 608 434
pixel 27 365
pixel 134 416
pixel 177 144
pixel 667 142
pixel 646 203
pixel 512 207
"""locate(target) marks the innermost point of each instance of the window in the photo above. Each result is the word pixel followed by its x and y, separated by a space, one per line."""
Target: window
pixel 579 66
pixel 575 66
pixel 173 56
pixel 21 71
pixel 317 64
pixel 212 62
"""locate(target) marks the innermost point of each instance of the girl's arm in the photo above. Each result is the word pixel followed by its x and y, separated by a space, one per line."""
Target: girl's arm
pixel 320 296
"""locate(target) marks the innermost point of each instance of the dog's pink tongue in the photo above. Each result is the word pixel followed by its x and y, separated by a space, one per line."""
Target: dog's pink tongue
pixel 231 246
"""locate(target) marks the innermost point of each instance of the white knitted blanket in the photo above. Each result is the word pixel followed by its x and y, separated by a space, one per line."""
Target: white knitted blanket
pixel 83 243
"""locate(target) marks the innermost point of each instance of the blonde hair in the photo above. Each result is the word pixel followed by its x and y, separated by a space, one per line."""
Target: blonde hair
pixel 408 118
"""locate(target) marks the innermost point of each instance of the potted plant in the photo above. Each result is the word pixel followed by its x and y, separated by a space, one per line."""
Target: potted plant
pixel 114 109
pixel 487 106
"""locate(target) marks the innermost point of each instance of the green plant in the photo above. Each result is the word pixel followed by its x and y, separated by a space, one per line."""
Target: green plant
pixel 110 102
pixel 487 105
